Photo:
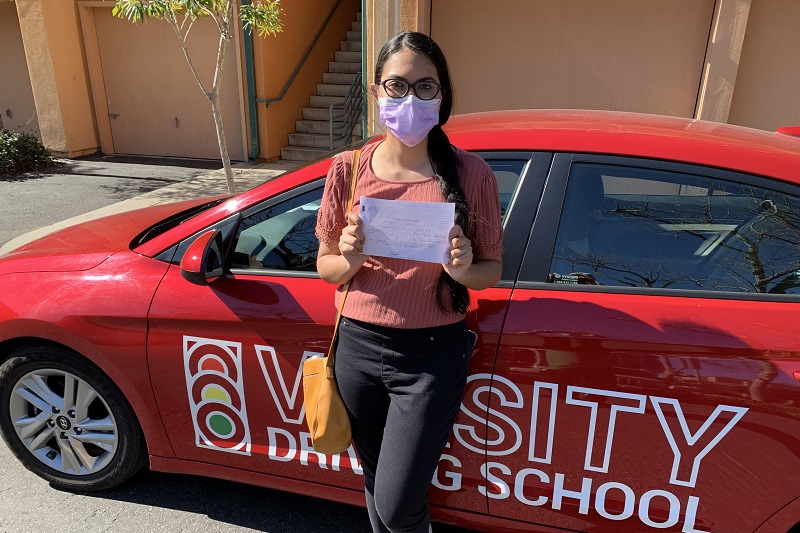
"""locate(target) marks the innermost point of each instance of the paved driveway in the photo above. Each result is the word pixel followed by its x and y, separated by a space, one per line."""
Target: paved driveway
pixel 77 186
pixel 170 503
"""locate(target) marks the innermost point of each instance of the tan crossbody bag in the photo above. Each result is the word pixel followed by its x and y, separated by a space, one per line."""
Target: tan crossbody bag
pixel 326 416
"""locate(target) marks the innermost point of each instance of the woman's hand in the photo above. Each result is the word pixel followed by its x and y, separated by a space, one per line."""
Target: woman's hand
pixel 337 262
pixel 460 254
pixel 351 243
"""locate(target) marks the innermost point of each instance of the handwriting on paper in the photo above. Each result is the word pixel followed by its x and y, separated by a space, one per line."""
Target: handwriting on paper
pixel 407 230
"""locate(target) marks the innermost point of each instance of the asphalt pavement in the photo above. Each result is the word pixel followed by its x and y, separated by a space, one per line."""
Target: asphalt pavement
pixel 35 204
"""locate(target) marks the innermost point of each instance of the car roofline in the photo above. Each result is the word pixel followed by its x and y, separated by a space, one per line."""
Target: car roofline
pixel 632 134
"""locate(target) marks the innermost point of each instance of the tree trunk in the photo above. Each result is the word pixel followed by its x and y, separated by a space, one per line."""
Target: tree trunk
pixel 214 99
pixel 223 147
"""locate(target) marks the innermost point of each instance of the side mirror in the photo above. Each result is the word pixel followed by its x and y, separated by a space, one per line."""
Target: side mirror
pixel 202 263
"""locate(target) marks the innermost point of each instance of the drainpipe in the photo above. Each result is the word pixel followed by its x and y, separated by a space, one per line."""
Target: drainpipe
pixel 251 91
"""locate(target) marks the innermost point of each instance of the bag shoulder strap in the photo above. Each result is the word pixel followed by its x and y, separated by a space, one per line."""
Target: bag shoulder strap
pixel 350 201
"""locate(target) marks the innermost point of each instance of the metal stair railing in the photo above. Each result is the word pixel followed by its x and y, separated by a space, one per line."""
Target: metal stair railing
pixel 302 62
pixel 351 111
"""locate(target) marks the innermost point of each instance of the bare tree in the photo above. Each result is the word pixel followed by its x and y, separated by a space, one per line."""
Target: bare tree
pixel 263 16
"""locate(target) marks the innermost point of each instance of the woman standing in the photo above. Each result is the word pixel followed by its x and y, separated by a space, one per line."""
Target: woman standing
pixel 403 349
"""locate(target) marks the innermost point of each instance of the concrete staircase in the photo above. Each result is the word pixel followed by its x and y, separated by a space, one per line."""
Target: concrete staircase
pixel 311 139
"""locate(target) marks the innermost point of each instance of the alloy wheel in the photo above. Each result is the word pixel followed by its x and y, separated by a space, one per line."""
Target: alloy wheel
pixel 63 421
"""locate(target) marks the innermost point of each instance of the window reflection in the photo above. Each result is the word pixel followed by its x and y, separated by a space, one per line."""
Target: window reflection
pixel 280 237
pixel 633 227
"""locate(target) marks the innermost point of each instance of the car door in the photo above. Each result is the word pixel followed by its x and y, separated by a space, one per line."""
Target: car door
pixel 645 374
pixel 226 359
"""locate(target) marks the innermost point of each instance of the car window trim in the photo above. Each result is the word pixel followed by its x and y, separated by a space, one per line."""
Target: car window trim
pixel 535 266
pixel 522 208
pixel 755 180
pixel 679 293
pixel 541 240
pixel 272 272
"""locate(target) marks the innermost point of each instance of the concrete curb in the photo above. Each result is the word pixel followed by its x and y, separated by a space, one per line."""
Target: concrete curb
pixel 245 175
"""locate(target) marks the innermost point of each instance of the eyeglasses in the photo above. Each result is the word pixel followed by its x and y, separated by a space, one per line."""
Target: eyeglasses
pixel 424 89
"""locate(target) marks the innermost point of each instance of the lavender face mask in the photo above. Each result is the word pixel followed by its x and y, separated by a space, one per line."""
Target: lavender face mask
pixel 409 118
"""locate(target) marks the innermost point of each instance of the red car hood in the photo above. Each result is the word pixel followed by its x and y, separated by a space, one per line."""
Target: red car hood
pixel 86 245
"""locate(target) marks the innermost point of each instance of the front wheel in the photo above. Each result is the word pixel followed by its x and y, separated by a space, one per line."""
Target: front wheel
pixel 66 421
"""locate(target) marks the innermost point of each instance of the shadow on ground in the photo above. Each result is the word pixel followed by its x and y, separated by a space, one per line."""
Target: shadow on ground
pixel 244 505
pixel 206 164
pixel 116 166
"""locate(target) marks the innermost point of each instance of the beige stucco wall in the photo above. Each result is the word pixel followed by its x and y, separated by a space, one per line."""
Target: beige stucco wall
pixel 277 57
pixel 628 55
pixel 720 60
pixel 650 56
pixel 59 81
pixel 766 92
pixel 17 109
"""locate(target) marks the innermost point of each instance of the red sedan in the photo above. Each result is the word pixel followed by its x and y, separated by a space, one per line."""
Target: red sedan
pixel 637 367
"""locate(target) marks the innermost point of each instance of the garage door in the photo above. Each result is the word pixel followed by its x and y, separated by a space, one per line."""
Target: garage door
pixel 627 55
pixel 17 110
pixel 154 103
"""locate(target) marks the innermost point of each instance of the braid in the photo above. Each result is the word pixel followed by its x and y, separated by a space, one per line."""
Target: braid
pixel 445 163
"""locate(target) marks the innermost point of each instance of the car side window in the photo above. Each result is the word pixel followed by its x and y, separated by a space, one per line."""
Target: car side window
pixel 507 172
pixel 633 227
pixel 280 237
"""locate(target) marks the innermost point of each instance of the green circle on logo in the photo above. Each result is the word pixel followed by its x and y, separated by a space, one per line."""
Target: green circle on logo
pixel 221 425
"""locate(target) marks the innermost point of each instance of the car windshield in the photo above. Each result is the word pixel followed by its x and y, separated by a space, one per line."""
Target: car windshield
pixel 170 222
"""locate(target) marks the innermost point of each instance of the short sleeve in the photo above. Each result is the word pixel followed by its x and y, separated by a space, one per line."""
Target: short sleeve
pixel 486 230
pixel 331 217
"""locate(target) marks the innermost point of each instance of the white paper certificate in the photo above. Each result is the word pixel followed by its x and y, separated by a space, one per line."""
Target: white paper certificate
pixel 407 230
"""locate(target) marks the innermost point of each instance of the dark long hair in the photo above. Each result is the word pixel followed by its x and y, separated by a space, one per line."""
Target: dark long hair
pixel 441 153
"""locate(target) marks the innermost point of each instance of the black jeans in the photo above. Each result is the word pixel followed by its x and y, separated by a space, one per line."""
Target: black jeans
pixel 402 390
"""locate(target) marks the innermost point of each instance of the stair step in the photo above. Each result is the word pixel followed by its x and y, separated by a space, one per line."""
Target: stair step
pixel 342 78
pixel 331 89
pixel 354 35
pixel 342 66
pixel 350 46
pixel 302 154
pixel 348 57
pixel 320 113
pixel 325 101
pixel 355 26
pixel 322 127
pixel 358 16
pixel 313 140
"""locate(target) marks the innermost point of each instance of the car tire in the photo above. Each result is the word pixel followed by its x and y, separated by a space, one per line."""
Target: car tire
pixel 89 440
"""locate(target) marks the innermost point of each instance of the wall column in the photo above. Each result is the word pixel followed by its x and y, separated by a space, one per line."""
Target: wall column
pixel 59 82
pixel 384 19
pixel 722 60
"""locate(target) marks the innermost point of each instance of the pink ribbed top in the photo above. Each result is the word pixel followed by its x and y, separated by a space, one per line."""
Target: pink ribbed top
pixel 398 292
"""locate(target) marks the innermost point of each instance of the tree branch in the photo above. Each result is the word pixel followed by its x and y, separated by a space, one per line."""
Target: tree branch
pixel 174 23
pixel 213 15
pixel 223 42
